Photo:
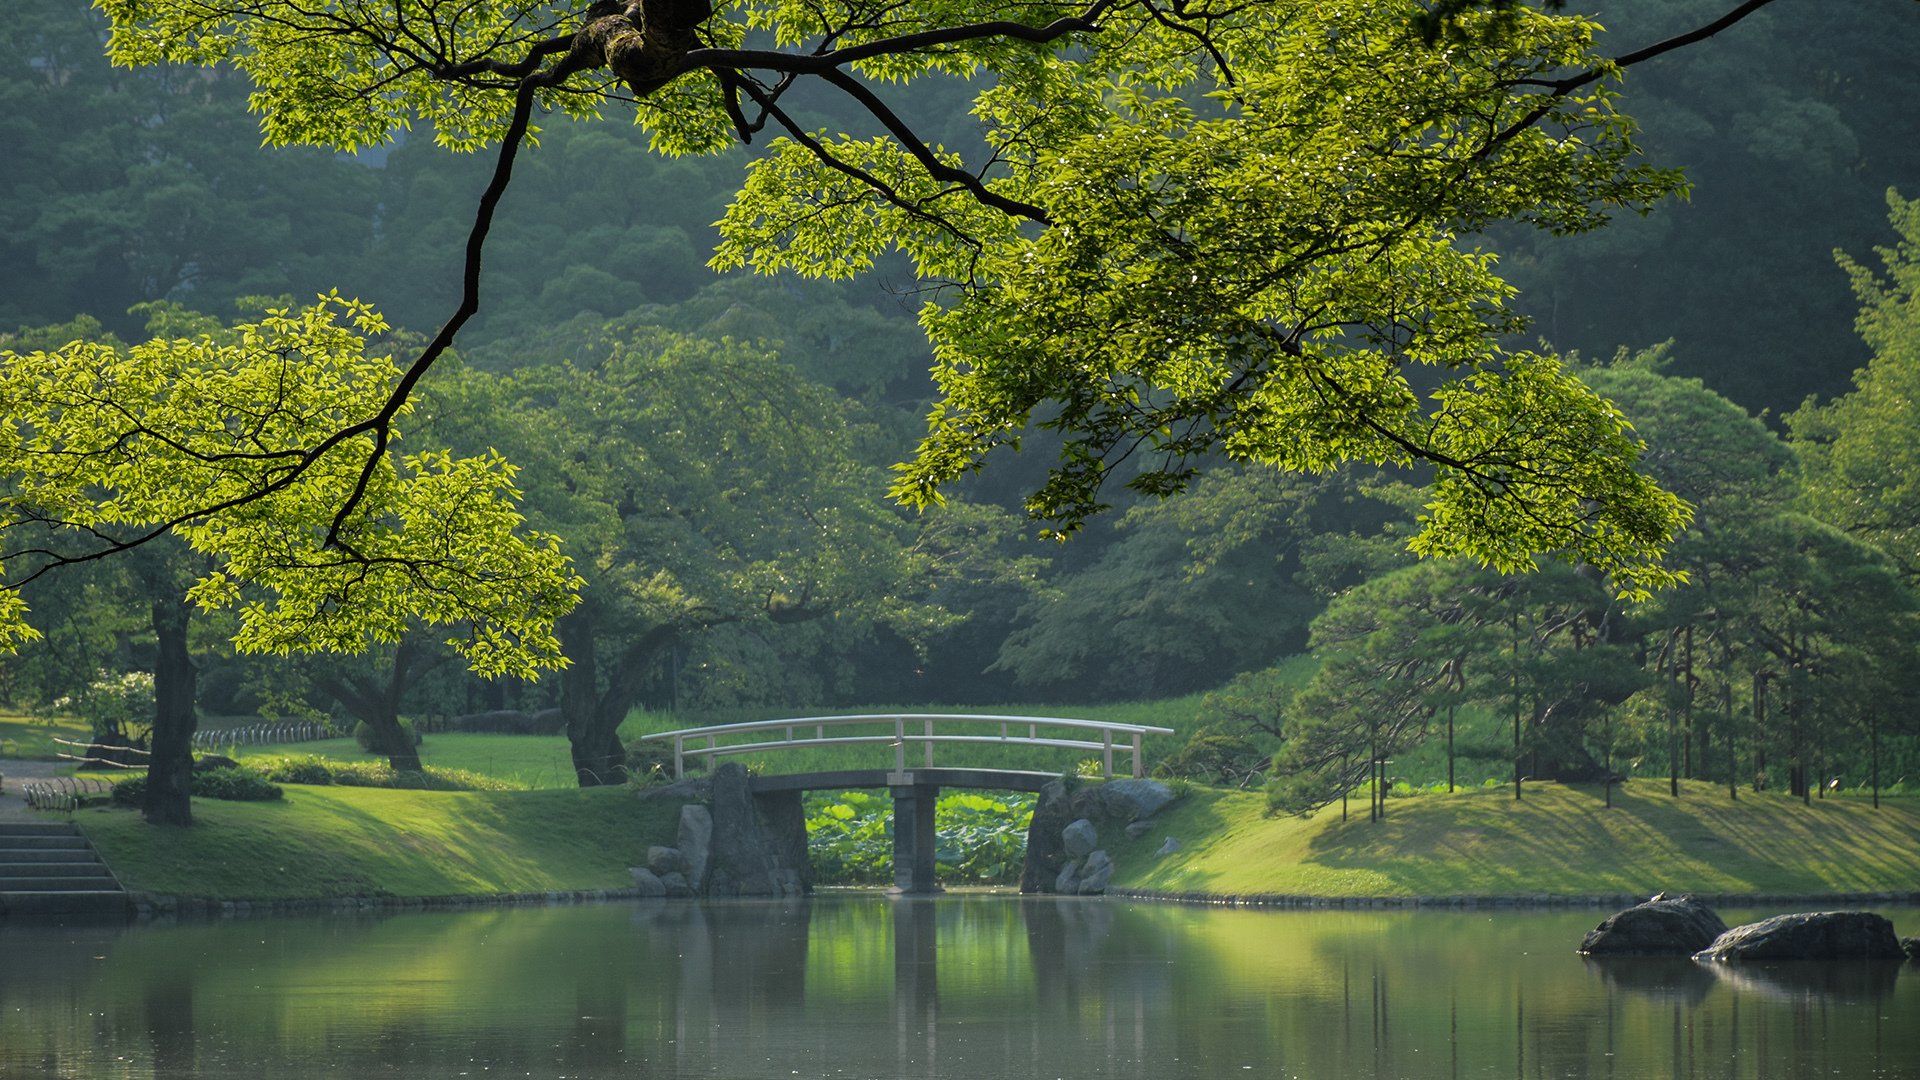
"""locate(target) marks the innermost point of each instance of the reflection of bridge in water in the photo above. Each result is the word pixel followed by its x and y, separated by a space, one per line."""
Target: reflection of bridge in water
pixel 915 786
pixel 801 981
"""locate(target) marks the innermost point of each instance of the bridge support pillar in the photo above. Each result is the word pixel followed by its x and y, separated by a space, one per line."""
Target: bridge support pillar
pixel 913 837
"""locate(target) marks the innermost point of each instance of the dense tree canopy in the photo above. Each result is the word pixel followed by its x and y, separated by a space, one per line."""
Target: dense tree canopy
pixel 1192 230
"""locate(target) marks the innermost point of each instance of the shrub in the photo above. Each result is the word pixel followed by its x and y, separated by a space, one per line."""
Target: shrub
pixel 649 763
pixel 235 785
pixel 1215 757
pixel 979 839
pixel 311 769
pixel 113 704
pixel 363 734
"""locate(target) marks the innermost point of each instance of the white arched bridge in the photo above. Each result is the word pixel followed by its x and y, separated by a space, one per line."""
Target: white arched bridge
pixel 913 776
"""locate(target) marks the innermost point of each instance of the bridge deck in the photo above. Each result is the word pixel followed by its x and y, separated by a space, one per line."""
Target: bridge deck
pixel 997 779
pixel 901 730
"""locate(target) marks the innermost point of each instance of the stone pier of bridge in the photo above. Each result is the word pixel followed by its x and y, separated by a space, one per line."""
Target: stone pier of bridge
pixel 915 792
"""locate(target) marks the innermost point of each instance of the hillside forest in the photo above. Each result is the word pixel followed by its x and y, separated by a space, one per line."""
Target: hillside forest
pixel 713 451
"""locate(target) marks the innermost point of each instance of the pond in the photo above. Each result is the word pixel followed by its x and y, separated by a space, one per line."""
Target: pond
pixel 971 986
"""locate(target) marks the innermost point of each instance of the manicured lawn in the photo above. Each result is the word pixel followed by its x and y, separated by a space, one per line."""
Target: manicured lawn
pixel 1558 840
pixel 341 841
pixel 533 761
pixel 32 737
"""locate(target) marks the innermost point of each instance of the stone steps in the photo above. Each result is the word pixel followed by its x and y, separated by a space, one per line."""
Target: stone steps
pixel 48 868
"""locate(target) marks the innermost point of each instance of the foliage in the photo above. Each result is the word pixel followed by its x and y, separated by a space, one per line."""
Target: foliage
pixel 1780 169
pixel 1192 299
pixel 104 448
pixel 1861 452
pixel 1212 756
pixel 364 735
pixel 979 839
pixel 231 784
pixel 1177 294
pixel 113 704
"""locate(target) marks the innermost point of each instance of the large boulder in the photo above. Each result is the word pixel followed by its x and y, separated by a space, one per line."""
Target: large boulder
pixel 1095 875
pixel 740 859
pixel 1124 800
pixel 1663 926
pixel 695 841
pixel 646 882
pixel 664 860
pixel 1811 935
pixel 1080 838
pixel 1113 803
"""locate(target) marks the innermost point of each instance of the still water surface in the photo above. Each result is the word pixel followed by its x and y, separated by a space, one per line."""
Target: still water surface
pixel 973 987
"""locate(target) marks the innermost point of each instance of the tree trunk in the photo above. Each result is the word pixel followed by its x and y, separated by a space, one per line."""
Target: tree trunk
pixel 1514 655
pixel 377 703
pixel 1873 728
pixel 170 769
pixel 392 740
pixel 593 714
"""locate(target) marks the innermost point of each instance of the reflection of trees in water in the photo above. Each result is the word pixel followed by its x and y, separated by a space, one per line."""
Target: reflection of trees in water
pixel 954 987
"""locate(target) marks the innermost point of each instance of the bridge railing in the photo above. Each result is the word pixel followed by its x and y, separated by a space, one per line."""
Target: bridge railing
pixel 925 729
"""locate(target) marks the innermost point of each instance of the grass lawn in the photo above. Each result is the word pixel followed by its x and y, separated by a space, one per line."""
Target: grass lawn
pixel 31 737
pixel 533 761
pixel 1558 840
pixel 342 841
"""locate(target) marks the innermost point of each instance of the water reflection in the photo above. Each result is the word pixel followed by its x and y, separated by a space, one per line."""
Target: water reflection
pixel 959 986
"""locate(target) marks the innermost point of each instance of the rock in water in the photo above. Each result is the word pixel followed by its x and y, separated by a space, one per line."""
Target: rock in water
pixel 1812 935
pixel 1678 926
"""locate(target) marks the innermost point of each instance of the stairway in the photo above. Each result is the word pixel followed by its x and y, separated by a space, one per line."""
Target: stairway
pixel 48 868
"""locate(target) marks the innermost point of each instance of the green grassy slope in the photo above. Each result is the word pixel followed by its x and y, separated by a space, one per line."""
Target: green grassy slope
pixel 340 841
pixel 534 761
pixel 1557 841
pixel 33 737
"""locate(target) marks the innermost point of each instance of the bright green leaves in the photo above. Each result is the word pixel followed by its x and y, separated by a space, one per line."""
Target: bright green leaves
pixel 1860 453
pixel 797 213
pixel 232 442
pixel 352 73
pixel 1266 276
pixel 1531 461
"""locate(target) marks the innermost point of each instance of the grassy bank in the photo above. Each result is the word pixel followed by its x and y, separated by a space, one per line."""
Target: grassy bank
pixel 1557 841
pixel 532 761
pixel 32 737
pixel 339 841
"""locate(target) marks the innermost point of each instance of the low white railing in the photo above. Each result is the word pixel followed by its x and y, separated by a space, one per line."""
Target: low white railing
pixel 910 728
